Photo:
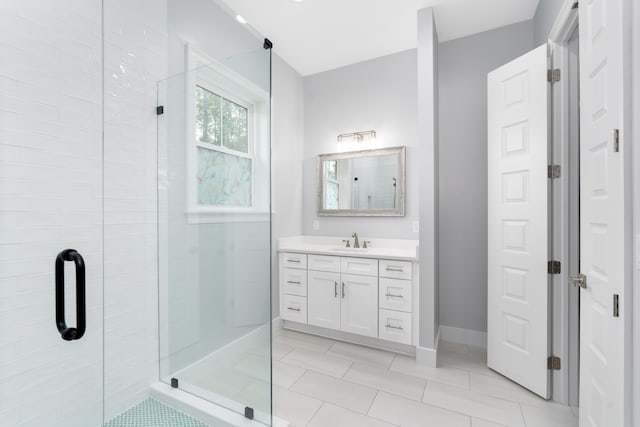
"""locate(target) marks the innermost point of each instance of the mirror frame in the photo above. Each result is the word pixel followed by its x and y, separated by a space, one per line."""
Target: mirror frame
pixel 400 193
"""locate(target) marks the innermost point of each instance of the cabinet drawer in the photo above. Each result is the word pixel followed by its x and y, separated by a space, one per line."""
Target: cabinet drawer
pixel 294 282
pixel 324 263
pixel 395 326
pixel 294 260
pixel 395 269
pixel 395 294
pixel 294 308
pixel 363 266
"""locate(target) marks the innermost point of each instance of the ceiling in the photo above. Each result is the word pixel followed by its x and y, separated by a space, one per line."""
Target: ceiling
pixel 319 35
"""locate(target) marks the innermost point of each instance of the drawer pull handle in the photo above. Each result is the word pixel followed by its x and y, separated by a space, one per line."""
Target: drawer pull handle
pixel 388 325
pixel 293 283
pixel 335 289
pixel 393 295
pixel 399 270
pixel 293 260
pixel 342 290
pixel 293 309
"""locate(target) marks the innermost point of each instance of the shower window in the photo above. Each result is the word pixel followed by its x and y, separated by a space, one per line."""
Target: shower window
pixel 225 114
pixel 224 172
pixel 221 122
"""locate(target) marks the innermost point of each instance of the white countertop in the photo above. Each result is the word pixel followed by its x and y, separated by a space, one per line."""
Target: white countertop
pixel 330 245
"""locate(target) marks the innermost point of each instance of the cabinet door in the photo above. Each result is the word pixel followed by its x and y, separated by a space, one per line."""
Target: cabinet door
pixel 293 260
pixel 359 308
pixel 323 299
pixel 294 282
pixel 395 294
pixel 294 308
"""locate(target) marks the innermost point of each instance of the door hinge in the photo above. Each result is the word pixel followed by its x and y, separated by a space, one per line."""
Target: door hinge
pixel 553 75
pixel 553 267
pixel 553 171
pixel 616 305
pixel 616 140
pixel 160 109
pixel 553 363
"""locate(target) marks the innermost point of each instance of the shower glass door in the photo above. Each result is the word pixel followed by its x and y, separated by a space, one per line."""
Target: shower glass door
pixel 51 358
pixel 214 213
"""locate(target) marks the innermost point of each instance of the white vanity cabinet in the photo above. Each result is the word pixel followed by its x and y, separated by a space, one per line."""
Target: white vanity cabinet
pixel 293 287
pixel 324 292
pixel 346 302
pixel 364 296
pixel 359 305
pixel 396 302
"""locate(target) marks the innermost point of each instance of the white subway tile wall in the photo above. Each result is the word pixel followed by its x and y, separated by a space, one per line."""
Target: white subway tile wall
pixel 135 59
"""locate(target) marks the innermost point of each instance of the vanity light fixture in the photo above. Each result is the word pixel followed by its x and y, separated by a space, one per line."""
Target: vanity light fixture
pixel 358 136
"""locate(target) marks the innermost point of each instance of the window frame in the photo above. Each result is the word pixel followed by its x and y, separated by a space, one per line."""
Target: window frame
pixel 216 78
pixel 209 86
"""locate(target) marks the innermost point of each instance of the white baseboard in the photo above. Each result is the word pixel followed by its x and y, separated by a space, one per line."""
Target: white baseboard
pixel 395 347
pixel 427 356
pixel 463 336
pixel 276 326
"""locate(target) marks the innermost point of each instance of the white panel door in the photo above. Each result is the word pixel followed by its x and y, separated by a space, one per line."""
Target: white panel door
pixel 602 213
pixel 359 311
pixel 518 330
pixel 323 299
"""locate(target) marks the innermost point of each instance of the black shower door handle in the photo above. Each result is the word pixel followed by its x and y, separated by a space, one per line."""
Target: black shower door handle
pixel 67 333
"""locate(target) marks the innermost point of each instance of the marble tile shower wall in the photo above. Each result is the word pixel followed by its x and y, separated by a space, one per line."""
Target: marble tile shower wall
pixel 50 135
pixel 135 59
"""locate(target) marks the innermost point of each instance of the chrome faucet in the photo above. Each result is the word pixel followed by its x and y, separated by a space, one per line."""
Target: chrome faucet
pixel 356 243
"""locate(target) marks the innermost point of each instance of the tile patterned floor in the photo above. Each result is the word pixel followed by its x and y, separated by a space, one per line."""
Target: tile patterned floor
pixel 151 413
pixel 321 382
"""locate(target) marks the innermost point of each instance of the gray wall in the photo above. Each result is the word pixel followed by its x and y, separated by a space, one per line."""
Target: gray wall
pixel 286 160
pixel 463 67
pixel 379 94
pixel 543 20
pixel 635 83
pixel 428 92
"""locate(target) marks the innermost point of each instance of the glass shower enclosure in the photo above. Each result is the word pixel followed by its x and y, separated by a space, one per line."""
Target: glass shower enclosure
pixel 134 212
pixel 214 226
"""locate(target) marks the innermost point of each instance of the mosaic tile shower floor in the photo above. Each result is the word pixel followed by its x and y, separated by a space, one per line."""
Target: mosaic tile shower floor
pixel 151 413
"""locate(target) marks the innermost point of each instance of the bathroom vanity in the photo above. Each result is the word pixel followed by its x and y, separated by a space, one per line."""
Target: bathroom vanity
pixel 367 295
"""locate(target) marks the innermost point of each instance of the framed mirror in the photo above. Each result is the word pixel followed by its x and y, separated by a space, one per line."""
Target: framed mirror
pixel 362 183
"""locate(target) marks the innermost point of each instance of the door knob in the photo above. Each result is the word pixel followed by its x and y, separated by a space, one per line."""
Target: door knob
pixel 579 280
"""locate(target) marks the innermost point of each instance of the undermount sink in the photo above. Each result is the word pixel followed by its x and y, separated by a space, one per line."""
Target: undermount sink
pixel 353 250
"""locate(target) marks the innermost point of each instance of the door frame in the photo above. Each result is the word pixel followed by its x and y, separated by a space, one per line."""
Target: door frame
pixel 564 25
pixel 562 329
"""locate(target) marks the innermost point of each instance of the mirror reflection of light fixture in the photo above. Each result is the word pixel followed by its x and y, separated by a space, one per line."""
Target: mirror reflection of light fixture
pixel 358 136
